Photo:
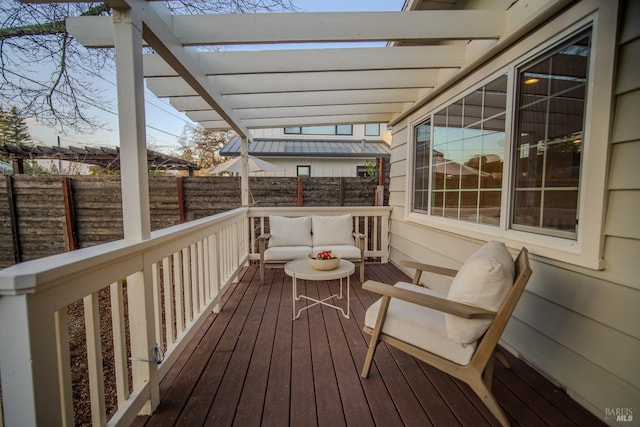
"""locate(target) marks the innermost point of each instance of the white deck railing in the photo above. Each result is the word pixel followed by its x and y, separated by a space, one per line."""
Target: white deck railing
pixel 176 278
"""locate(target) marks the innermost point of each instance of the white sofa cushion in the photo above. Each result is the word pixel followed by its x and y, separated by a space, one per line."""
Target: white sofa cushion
pixel 286 253
pixel 483 281
pixel 332 230
pixel 419 326
pixel 343 251
pixel 289 231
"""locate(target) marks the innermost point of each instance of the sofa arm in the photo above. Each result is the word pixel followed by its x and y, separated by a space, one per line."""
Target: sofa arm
pixel 360 242
pixel 263 239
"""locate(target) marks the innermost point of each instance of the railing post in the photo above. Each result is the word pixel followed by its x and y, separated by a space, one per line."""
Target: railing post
pixel 143 336
pixel 29 362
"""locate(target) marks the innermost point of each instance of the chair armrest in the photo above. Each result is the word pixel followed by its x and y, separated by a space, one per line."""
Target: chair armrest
pixel 420 268
pixel 440 304
pixel 429 268
pixel 359 240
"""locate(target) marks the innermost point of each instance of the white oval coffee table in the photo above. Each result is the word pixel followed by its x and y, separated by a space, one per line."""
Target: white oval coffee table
pixel 301 269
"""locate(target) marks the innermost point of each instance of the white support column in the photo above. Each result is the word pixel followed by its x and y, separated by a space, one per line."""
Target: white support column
pixel 127 32
pixel 244 174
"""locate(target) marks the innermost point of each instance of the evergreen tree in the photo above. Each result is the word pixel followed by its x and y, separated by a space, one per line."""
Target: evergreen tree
pixel 13 128
pixel 17 131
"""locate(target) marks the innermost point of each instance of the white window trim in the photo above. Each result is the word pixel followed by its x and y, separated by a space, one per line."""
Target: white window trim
pixel 587 250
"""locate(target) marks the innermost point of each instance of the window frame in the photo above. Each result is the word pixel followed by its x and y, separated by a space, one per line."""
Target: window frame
pixel 299 167
pixel 368 133
pixel 300 130
pixel 587 249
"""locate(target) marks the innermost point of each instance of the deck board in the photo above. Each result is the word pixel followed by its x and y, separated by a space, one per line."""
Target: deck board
pixel 251 365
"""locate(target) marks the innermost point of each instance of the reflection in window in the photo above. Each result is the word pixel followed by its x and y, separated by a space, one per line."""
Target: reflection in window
pixel 550 126
pixel 422 148
pixel 467 156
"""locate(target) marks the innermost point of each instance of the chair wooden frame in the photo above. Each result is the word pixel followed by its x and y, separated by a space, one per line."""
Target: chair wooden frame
pixel 478 372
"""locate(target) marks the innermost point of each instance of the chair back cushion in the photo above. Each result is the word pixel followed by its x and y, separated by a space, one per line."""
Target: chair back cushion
pixel 332 230
pixel 483 281
pixel 289 231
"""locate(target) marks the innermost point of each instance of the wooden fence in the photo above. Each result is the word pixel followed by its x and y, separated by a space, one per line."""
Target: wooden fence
pixel 47 215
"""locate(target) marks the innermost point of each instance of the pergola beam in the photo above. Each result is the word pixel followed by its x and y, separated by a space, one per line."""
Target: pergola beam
pixel 299 82
pixel 300 99
pixel 316 60
pixel 312 27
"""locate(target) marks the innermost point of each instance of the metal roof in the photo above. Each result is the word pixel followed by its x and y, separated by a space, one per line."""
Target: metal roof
pixel 308 148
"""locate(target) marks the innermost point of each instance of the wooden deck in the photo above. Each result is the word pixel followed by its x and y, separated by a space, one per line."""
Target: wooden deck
pixel 252 365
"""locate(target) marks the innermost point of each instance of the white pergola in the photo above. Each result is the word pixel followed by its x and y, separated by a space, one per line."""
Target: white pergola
pixel 430 44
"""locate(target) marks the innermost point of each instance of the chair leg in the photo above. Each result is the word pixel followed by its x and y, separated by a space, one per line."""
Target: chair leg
pixel 497 353
pixel 479 387
pixel 262 273
pixel 373 344
pixel 362 271
pixel 375 336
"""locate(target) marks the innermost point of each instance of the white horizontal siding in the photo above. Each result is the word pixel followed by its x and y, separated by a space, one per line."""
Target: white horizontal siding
pixel 579 326
pixel 625 158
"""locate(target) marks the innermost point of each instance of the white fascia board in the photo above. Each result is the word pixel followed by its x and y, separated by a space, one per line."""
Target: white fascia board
pixel 308 60
pixel 307 27
pixel 258 28
pixel 299 82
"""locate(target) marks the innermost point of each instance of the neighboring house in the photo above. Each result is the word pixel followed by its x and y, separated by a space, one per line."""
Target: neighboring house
pixel 317 151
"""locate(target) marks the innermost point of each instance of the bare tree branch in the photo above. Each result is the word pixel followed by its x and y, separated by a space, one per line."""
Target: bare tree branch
pixel 48 75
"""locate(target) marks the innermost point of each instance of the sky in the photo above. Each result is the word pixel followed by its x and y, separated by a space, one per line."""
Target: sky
pixel 164 123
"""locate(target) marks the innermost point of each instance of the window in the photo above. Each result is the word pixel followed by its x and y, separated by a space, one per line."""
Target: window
pixel 303 170
pixel 372 129
pixel 458 173
pixel 320 130
pixel 459 168
pixel 548 140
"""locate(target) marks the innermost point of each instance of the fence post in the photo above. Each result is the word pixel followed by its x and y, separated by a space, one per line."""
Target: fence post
pixel 13 218
pixel 71 238
pixel 300 192
pixel 181 207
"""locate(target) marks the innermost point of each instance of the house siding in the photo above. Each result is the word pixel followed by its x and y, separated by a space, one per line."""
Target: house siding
pixel 579 326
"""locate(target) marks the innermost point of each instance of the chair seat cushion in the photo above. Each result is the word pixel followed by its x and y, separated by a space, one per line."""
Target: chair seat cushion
pixel 420 326
pixel 286 253
pixel 483 281
pixel 343 251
